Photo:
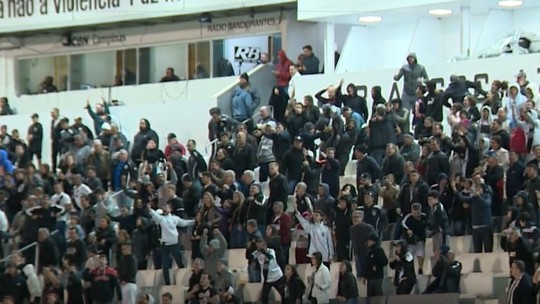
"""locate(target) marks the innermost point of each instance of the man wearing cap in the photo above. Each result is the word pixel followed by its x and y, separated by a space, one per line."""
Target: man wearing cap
pixel 365 185
pixel 410 149
pixel 242 104
pixel 375 263
pixel 413 72
pixel 35 138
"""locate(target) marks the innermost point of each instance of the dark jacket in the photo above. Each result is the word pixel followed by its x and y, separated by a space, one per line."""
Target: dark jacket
pixel 295 288
pixel 521 250
pixel 419 195
pixel 336 101
pixel 244 159
pixel 281 143
pixel 393 165
pixel 522 293
pixel 514 178
pixel 368 165
pixel 417 226
pixel 76 253
pixel 438 219
pixel 447 277
pixel 50 259
pixel 457 90
pixel 480 208
pixel 382 132
pixel 347 286
pixel 104 283
pixel 311 65
pixel 127 268
pixel 375 263
pixel 292 164
pixel 404 265
pixel 359 234
pixel 437 162
pixel 326 204
pixel 357 103
pixel 36 130
pixel 140 140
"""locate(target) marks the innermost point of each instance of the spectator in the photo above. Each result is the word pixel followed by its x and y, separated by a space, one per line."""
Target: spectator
pixel 412 72
pixel 5 109
pixel 294 70
pixel 447 273
pixel 334 95
pixel 282 71
pixel 141 139
pixel 294 287
pixel 319 281
pixel 271 272
pixel 402 117
pixel 213 250
pixel 169 76
pixel 347 287
pixel 265 154
pixel 50 255
pixel 404 277
pixel 224 277
pixel 374 267
pixel 519 249
pixel 393 162
pixel 321 239
pixel 519 288
pixel 278 101
pixel 437 162
pixel 283 222
pixel 35 138
pixel 169 238
pixel 359 233
pixel 47 85
pixel 253 234
pixel 127 271
pixel 310 63
pixel 366 164
pixel 244 155
pixel 174 146
pixel 357 103
pixel 438 222
pixel 457 90
pixel 342 227
pixel 103 282
pixel 196 163
pixel 75 249
pixel 384 127
pixel 481 218
pixel 414 226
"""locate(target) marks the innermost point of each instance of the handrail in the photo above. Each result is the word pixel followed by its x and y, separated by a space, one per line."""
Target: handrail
pixel 213 143
pixel 28 247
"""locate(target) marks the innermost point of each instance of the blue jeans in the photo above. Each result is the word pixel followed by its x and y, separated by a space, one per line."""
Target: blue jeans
pixel 360 263
pixel 254 273
pixel 238 238
pixel 292 185
pixel 264 172
pixel 166 252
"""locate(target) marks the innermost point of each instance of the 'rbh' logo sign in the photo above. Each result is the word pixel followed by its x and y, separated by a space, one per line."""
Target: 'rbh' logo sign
pixel 246 54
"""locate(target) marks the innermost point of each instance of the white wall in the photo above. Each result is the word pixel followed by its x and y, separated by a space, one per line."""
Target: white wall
pixel 32 71
pixel 162 57
pixel 254 41
pixel 98 69
pixel 434 40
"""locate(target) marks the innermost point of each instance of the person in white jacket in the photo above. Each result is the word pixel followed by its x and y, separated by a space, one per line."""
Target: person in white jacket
pixel 319 281
pixel 32 282
pixel 320 235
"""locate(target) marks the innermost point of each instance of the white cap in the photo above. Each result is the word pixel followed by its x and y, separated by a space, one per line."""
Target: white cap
pixel 106 126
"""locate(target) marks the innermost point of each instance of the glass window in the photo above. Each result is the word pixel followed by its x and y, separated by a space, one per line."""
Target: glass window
pixel 154 62
pixel 126 67
pixel 199 60
pixel 93 70
pixel 32 74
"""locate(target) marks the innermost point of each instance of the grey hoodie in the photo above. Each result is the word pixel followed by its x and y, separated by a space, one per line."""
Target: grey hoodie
pixel 411 74
pixel 219 244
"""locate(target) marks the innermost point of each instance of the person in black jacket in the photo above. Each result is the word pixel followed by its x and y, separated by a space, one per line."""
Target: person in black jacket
pixel 35 138
pixel 357 103
pixel 434 106
pixel 378 99
pixel 457 90
pixel 518 249
pixel 49 253
pixel 244 155
pixel 382 131
pixel 311 174
pixel 375 263
pixel 393 162
pixel 414 232
pixel 515 174
pixel 278 190
pixel 330 171
pixel 297 120
pixel 366 164
pixel 127 270
pixel 520 286
pixel 291 165
pixel 347 287
pixel 140 140
pixel 403 264
pixel 447 273
pixel 342 227
pixel 294 286
pixel 75 249
pixel 437 162
pixel 13 284
pixel 438 222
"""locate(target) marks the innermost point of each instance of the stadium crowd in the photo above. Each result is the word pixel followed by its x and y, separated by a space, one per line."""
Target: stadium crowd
pixel 107 207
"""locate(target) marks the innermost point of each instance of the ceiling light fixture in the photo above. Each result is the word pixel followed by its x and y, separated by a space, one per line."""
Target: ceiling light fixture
pixel 510 3
pixel 370 19
pixel 440 12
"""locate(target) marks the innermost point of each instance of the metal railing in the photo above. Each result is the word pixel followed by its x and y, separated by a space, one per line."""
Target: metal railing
pixel 27 247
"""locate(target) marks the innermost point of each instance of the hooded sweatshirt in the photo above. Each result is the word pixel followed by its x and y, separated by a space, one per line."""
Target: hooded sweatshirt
pixel 32 281
pixel 511 102
pixel 211 257
pixel 357 103
pixel 484 125
pixel 377 98
pixel 282 69
pixel 412 74
pixel 320 238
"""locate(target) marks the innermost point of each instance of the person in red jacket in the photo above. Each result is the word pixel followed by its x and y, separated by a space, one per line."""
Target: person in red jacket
pixel 282 71
pixel 283 220
pixel 103 282
pixel 174 146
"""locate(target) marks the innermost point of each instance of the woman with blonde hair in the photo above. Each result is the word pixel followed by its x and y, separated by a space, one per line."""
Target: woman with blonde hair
pixel 238 235
pixel 211 216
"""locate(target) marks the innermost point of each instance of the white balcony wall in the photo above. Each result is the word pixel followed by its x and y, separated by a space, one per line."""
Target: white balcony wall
pixel 434 40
